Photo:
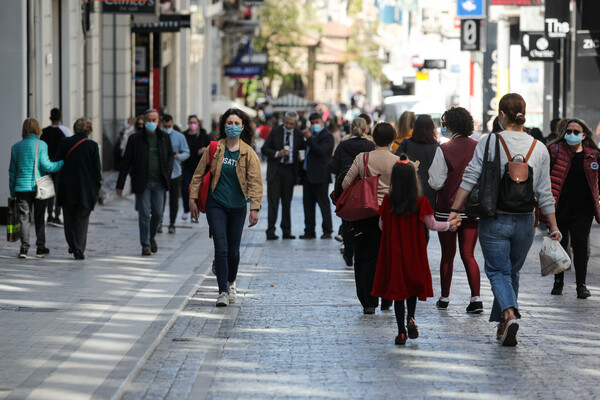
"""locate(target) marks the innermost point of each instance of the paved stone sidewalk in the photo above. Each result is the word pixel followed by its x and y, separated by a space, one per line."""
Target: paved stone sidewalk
pixel 79 329
pixel 297 331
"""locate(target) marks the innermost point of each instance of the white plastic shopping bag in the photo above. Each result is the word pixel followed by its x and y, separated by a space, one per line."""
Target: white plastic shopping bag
pixel 553 258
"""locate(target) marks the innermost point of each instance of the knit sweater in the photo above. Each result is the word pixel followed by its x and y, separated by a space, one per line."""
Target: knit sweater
pixel 517 143
pixel 381 163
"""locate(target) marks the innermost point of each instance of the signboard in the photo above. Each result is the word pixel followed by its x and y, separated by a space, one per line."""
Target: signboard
pixel 556 19
pixel 130 7
pixel 470 35
pixel 537 47
pixel 490 67
pixel 470 9
pixel 516 2
pixel 434 64
pixel 588 44
pixel 243 71
pixel 165 23
pixel 252 3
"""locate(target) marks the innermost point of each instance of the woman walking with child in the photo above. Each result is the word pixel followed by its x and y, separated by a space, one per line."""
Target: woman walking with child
pixel 402 272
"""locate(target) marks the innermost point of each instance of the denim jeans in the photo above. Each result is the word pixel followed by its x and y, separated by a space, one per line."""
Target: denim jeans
pixel 149 205
pixel 226 225
pixel 505 242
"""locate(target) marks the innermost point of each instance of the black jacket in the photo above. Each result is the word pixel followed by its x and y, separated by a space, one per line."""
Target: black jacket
pixel 52 135
pixel 195 143
pixel 81 176
pixel 318 157
pixel 136 158
pixel 424 153
pixel 274 143
pixel 344 156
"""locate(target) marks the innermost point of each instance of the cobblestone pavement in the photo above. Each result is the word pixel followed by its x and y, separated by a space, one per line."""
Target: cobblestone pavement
pixel 297 331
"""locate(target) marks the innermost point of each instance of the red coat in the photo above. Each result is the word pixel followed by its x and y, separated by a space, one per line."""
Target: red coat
pixel 560 155
pixel 402 266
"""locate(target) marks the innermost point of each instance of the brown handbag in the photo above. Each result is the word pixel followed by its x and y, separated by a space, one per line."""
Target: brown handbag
pixel 359 200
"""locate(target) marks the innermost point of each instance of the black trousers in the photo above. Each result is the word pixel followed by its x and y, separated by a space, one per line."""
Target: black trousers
pixel 174 193
pixel 313 194
pixel 576 234
pixel 348 236
pixel 281 187
pixel 32 210
pixel 76 224
pixel 366 249
pixel 52 203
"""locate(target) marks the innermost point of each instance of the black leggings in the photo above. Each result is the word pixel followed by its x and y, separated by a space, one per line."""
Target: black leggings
pixel 576 234
pixel 411 305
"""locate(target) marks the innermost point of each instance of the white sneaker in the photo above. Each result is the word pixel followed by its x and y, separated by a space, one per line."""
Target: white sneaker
pixel 232 291
pixel 185 216
pixel 223 299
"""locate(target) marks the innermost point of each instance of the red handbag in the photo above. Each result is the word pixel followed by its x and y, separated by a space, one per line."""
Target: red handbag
pixel 205 184
pixel 359 200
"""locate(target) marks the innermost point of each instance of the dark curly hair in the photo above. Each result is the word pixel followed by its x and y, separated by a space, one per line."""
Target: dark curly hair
pixel 247 132
pixel 459 121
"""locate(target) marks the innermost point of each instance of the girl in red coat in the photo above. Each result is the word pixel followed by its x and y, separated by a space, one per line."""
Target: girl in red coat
pixel 402 267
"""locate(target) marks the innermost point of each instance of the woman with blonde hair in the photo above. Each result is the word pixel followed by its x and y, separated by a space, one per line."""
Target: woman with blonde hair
pixel 404 128
pixel 23 157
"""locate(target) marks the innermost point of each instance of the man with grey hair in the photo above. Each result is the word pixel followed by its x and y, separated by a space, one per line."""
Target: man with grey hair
pixel 149 159
pixel 282 148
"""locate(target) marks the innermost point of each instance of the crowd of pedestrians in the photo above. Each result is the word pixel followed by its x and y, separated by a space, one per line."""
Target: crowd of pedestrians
pixel 423 184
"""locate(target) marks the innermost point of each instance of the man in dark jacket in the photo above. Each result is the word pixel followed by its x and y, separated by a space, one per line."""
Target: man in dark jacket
pixel 149 158
pixel 282 148
pixel 316 179
pixel 52 135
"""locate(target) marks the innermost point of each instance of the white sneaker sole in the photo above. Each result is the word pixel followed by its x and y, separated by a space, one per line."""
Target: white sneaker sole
pixel 509 338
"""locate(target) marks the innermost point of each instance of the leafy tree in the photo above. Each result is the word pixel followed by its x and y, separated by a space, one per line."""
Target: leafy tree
pixel 363 48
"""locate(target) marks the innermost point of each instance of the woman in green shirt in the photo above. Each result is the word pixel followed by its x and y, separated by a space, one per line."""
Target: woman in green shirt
pixel 236 181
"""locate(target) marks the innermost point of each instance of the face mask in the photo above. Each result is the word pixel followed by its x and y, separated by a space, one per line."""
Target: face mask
pixel 288 130
pixel 233 131
pixel 500 124
pixel 193 126
pixel 168 130
pixel 445 132
pixel 573 139
pixel 317 128
pixel 150 126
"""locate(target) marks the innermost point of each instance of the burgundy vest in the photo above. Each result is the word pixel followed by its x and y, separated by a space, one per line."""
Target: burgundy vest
pixel 561 154
pixel 458 152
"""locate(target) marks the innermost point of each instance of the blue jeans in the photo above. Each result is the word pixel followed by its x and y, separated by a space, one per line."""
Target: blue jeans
pixel 149 205
pixel 505 242
pixel 226 225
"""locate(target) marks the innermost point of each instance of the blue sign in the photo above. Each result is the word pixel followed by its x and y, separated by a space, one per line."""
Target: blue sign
pixel 243 70
pixel 470 9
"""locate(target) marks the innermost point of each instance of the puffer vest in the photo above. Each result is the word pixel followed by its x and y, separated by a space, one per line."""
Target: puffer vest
pixel 561 155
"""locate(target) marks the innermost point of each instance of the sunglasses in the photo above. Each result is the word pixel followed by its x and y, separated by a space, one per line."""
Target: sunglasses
pixel 573 131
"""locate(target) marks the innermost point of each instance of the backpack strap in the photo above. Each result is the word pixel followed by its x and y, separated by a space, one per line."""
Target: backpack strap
pixel 505 147
pixel 530 150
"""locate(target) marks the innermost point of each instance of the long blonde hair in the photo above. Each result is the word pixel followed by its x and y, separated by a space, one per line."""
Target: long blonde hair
pixel 406 124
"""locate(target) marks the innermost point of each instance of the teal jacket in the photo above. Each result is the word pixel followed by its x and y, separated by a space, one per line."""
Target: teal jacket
pixel 22 160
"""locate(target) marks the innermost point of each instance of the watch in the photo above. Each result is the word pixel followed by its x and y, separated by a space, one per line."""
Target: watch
pixel 455 210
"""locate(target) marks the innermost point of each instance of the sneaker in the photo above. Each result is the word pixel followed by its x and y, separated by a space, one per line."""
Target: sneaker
pixel 475 307
pixel 185 216
pixel 146 251
pixel 339 238
pixel 22 253
pixel 326 236
pixel 159 229
pixel 308 236
pixel 223 299
pixel 153 245
pixel 58 222
pixel 272 236
pixel 400 339
pixel 232 291
pixel 582 291
pixel 194 220
pixel 412 328
pixel 78 255
pixel 500 330
pixel 42 252
pixel 214 268
pixel 509 337
pixel 349 261
pixel 442 305
pixel 369 310
pixel 171 228
pixel 557 289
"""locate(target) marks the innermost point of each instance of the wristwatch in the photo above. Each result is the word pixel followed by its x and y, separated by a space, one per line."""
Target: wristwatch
pixel 455 210
pixel 255 209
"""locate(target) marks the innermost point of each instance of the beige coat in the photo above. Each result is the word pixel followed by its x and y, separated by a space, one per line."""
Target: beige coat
pixel 248 173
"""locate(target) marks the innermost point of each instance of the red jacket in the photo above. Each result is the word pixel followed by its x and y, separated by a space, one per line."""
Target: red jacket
pixel 560 157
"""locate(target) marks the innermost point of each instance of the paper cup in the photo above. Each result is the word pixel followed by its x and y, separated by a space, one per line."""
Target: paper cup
pixel 301 154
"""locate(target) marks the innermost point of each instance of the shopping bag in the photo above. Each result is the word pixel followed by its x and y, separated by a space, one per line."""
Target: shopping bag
pixel 553 258
pixel 359 200
pixel 13 224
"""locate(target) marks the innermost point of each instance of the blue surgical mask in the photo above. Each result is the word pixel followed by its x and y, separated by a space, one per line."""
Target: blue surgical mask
pixel 168 130
pixel 317 128
pixel 573 139
pixel 500 125
pixel 288 130
pixel 445 133
pixel 233 131
pixel 150 126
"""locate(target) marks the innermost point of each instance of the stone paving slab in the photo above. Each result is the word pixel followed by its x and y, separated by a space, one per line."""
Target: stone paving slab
pixel 297 331
pixel 78 329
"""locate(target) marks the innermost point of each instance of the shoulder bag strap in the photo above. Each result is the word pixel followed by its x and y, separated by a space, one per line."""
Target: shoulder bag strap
pixel 530 150
pixel 505 147
pixel 73 148
pixel 211 152
pixel 366 162
pixel 35 165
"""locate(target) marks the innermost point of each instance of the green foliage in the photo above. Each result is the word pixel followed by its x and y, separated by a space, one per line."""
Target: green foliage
pixel 363 48
pixel 354 7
